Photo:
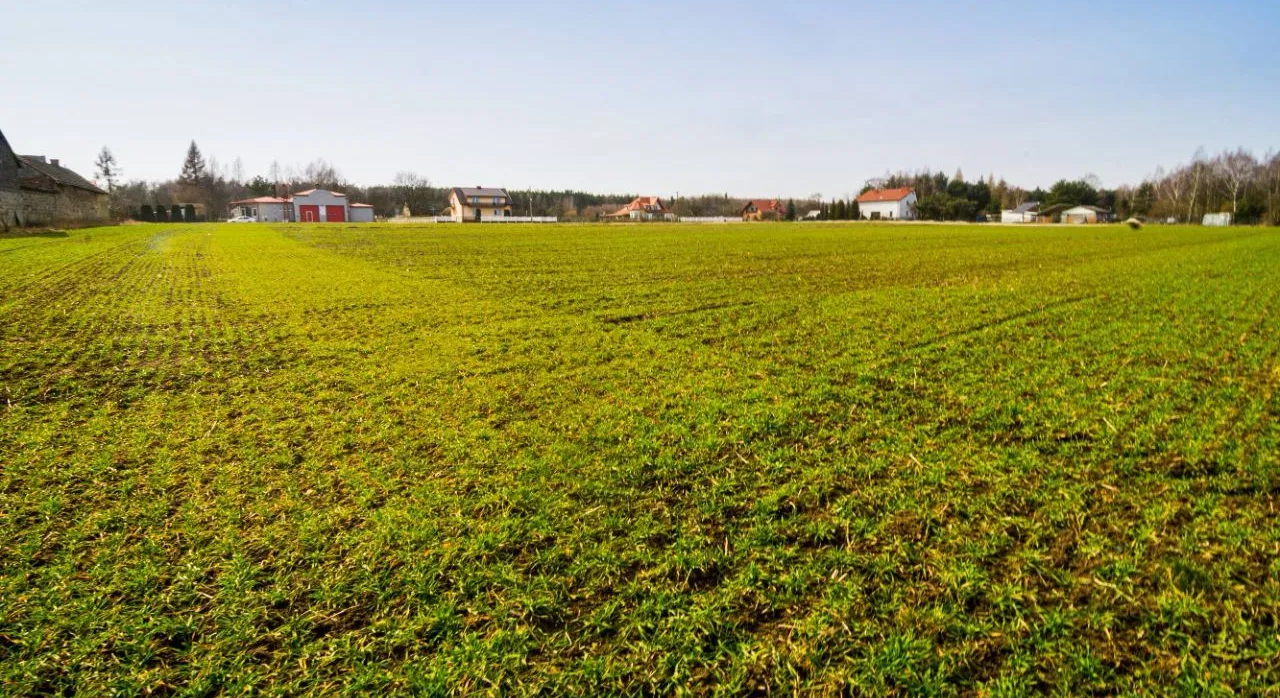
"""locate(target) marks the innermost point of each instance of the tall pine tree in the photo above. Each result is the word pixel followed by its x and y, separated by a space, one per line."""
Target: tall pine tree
pixel 193 168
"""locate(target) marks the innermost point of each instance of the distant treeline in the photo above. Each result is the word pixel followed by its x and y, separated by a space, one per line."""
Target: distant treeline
pixel 1234 181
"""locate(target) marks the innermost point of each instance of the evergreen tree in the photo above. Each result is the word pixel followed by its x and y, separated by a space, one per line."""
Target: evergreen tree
pixel 791 209
pixel 193 170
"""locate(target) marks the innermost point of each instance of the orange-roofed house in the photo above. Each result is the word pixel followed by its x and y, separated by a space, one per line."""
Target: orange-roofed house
pixel 643 208
pixel 887 204
pixel 762 210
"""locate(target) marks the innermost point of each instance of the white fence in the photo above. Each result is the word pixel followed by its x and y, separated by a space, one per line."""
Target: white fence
pixel 495 219
pixel 710 219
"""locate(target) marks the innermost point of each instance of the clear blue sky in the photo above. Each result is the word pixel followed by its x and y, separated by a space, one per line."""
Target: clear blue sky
pixel 750 98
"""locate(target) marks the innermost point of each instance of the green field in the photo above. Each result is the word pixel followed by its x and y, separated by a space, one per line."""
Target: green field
pixel 640 460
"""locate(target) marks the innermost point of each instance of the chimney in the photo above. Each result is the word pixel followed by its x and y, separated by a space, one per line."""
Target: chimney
pixel 54 162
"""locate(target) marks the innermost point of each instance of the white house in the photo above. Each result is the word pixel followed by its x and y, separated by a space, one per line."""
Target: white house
pixel 1024 213
pixel 887 204
pixel 264 209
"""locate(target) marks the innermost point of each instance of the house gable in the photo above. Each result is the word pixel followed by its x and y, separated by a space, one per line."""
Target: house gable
pixel 9 166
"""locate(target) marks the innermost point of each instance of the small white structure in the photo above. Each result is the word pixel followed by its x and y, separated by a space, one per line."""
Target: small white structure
pixel 1024 213
pixel 263 209
pixel 361 213
pixel 815 214
pixel 1217 220
pixel 1086 214
pixel 887 204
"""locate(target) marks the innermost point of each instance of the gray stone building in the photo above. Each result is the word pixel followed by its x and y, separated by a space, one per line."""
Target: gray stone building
pixel 10 185
pixel 35 190
pixel 54 195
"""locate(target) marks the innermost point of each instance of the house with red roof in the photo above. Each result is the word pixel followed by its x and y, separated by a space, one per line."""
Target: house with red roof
pixel 643 208
pixel 887 204
pixel 264 209
pixel 763 210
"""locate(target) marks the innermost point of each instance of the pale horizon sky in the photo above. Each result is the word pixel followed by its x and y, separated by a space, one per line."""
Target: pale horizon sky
pixel 746 98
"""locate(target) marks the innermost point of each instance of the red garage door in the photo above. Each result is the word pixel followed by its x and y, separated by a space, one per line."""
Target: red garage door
pixel 335 214
pixel 308 214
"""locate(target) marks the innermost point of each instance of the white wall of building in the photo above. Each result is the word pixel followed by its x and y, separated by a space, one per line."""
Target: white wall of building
pixel 320 198
pixel 1011 216
pixel 263 212
pixel 360 214
pixel 902 210
pixel 272 213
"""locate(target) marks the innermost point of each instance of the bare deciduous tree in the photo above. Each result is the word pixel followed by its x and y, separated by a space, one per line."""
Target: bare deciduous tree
pixel 1234 171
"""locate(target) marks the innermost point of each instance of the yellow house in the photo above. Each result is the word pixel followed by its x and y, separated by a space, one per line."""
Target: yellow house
pixel 478 205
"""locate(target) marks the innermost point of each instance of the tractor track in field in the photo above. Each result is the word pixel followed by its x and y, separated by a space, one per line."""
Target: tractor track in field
pixel 658 314
pixel 998 322
pixel 128 320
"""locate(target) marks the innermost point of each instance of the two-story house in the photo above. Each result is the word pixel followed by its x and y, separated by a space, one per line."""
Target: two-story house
pixel 762 210
pixel 479 204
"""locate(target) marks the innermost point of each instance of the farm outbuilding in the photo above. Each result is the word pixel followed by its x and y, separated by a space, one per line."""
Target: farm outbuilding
pixel 1023 213
pixel 10 185
pixel 320 206
pixel 1051 213
pixel 310 206
pixel 887 204
pixel 1087 214
pixel 361 213
pixel 35 190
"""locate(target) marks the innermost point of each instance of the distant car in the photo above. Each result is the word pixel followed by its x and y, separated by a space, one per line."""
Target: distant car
pixel 241 219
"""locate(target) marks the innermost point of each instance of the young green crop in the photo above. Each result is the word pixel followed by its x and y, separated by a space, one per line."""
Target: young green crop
pixel 634 460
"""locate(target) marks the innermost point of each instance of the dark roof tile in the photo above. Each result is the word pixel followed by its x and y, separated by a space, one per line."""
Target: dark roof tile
pixel 59 174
